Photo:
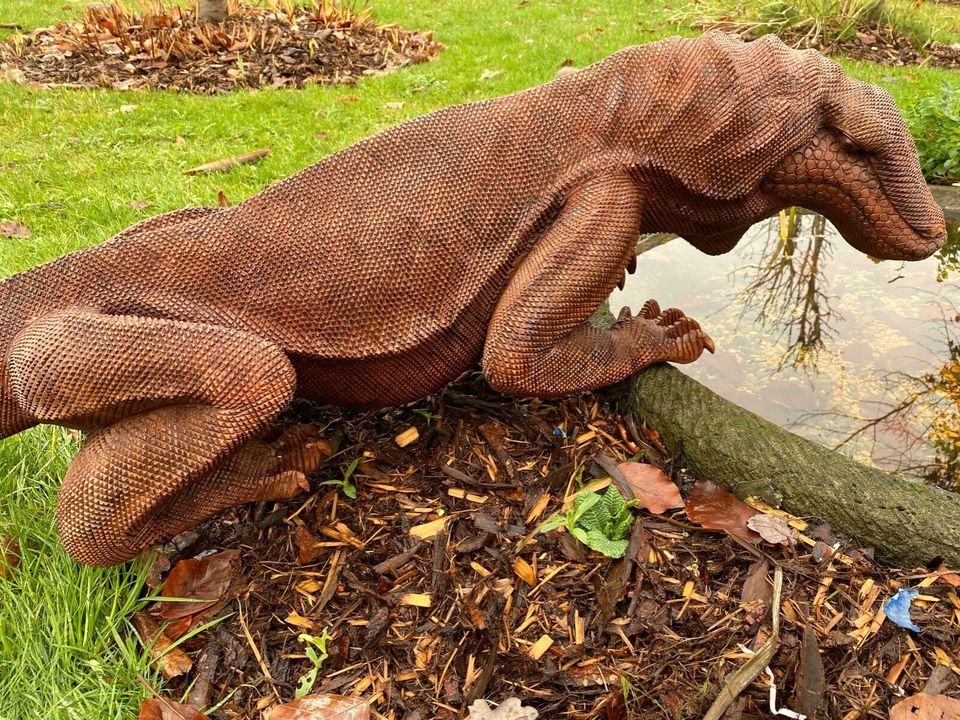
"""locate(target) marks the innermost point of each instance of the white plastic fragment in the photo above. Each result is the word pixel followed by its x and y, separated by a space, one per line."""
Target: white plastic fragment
pixel 783 712
pixel 773 700
pixel 509 709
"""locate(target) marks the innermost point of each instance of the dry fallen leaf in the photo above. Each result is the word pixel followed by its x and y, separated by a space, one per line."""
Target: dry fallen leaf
pixel 715 508
pixel 926 707
pixel 950 578
pixel 170 663
pixel 648 484
pixel 773 529
pixel 321 707
pixel 9 555
pixel 757 586
pixel 810 675
pixel 308 545
pixel 140 204
pixel 9 228
pixel 154 709
pixel 204 580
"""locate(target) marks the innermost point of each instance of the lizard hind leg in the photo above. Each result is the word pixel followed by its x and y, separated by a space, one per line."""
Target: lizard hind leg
pixel 177 410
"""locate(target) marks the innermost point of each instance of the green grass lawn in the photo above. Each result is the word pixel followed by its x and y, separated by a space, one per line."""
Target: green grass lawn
pixel 74 163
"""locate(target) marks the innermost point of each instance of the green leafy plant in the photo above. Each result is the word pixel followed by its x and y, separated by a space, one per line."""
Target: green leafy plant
pixel 935 124
pixel 316 651
pixel 349 489
pixel 598 521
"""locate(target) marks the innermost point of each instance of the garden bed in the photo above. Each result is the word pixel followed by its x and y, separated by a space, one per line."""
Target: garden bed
pixel 437 587
pixel 167 48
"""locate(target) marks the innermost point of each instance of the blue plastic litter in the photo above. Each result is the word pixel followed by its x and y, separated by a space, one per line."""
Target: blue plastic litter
pixel 559 432
pixel 897 608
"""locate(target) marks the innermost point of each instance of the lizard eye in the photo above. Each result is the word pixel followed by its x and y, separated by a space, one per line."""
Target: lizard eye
pixel 848 143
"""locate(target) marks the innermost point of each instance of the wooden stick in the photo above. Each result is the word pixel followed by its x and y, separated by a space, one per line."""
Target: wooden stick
pixel 225 164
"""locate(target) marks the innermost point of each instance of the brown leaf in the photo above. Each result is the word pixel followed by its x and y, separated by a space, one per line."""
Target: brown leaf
pixel 170 663
pixel 650 485
pixel 773 529
pixel 757 586
pixel 204 580
pixel 321 707
pixel 11 229
pixel 714 508
pixel 140 204
pixel 9 555
pixel 950 578
pixel 810 683
pixel 308 545
pixel 153 709
pixel 926 707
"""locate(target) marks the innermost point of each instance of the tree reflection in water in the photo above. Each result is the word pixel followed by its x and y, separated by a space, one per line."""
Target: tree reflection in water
pixel 787 293
pixel 788 290
pixel 926 418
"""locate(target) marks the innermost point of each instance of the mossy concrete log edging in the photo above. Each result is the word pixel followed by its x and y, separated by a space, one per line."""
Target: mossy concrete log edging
pixel 907 523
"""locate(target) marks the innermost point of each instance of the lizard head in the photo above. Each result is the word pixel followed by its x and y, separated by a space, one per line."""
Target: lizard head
pixel 861 171
pixel 760 126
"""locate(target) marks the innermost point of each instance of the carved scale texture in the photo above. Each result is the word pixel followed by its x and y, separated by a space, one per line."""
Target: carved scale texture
pixel 486 231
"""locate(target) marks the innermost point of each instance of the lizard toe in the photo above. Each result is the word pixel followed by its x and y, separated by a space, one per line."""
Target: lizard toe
pixel 650 310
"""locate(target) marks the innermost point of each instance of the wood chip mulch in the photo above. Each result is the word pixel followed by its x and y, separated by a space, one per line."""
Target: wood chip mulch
pixel 166 48
pixel 437 588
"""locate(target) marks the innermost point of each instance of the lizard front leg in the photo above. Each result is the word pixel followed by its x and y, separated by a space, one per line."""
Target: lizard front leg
pixel 538 341
pixel 176 409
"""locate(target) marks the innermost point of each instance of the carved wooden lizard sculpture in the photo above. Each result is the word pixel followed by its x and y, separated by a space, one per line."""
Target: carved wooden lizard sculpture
pixel 488 231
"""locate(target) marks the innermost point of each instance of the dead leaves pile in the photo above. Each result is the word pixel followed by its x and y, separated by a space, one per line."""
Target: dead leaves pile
pixel 281 44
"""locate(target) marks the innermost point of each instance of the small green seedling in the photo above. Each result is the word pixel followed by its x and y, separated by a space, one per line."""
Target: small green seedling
pixel 598 521
pixel 313 644
pixel 349 489
pixel 427 415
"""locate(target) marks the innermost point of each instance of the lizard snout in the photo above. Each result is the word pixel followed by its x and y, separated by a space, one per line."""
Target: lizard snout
pixel 882 211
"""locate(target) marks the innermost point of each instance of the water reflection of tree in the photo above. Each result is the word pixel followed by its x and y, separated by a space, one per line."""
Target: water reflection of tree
pixel 788 290
pixel 927 417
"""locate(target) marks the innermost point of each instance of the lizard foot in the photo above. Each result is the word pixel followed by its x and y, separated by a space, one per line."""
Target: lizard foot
pixel 300 448
pixel 665 335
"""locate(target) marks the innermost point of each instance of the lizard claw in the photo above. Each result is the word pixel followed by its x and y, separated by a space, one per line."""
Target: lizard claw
pixel 671 316
pixel 708 343
pixel 650 310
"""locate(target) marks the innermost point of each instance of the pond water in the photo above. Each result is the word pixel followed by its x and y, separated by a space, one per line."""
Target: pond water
pixel 819 338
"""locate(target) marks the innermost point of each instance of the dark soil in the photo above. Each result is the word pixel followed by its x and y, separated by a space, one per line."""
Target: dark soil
pixel 168 49
pixel 660 627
